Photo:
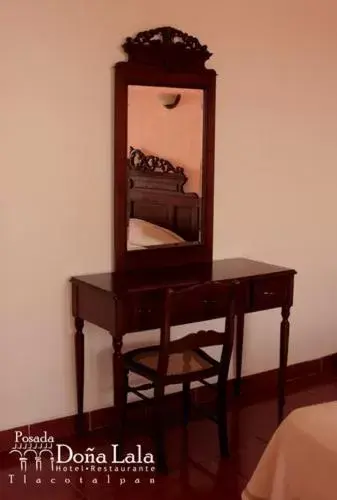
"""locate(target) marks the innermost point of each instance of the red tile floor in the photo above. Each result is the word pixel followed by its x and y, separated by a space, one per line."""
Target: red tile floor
pixel 196 470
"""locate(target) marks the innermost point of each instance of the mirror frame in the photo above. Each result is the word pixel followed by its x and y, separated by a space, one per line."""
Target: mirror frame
pixel 164 57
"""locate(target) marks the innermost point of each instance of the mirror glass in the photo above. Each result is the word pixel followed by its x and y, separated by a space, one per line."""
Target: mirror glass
pixel 165 141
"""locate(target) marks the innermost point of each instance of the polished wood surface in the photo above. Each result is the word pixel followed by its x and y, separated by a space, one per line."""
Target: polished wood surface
pixel 122 303
pixel 218 270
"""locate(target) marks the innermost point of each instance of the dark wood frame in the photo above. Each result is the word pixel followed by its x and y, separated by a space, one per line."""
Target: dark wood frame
pixel 169 58
pixel 156 194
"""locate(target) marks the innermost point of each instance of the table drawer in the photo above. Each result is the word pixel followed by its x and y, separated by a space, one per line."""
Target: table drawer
pixel 269 293
pixel 143 311
pixel 146 311
pixel 201 304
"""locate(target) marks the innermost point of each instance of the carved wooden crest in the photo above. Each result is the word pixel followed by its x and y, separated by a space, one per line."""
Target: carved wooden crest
pixel 153 172
pixel 168 47
pixel 150 163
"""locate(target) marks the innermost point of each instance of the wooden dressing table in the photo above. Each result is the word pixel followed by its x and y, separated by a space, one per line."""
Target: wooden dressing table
pixel 132 302
pixel 167 66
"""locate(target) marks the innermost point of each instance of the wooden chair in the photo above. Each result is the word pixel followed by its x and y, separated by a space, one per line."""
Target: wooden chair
pixel 183 361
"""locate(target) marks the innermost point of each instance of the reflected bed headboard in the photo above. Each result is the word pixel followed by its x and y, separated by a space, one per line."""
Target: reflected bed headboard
pixel 156 194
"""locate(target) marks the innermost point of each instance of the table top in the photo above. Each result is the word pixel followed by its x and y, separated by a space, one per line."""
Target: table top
pixel 218 270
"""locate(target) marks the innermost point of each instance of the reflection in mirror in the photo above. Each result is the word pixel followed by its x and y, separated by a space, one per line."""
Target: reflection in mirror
pixel 165 140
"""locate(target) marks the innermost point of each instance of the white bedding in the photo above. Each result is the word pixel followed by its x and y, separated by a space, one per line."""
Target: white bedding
pixel 143 234
pixel 300 461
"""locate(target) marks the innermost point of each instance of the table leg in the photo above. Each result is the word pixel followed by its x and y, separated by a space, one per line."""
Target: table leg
pixel 79 360
pixel 119 387
pixel 240 323
pixel 284 342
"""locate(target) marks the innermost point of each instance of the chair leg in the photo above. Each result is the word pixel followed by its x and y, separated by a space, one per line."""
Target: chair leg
pixel 159 437
pixel 186 410
pixel 222 418
pixel 186 402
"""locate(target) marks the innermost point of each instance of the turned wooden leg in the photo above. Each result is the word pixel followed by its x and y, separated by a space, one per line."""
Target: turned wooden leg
pixel 240 323
pixel 284 342
pixel 124 407
pixel 79 360
pixel 186 402
pixel 119 387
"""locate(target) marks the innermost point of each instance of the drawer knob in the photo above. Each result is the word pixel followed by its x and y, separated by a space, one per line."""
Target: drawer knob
pixel 209 301
pixel 144 311
pixel 268 293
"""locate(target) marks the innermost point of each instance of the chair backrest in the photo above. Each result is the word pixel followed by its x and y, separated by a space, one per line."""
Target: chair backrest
pixel 222 295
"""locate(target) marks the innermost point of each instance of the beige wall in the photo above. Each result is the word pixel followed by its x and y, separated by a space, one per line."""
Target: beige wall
pixel 173 134
pixel 275 189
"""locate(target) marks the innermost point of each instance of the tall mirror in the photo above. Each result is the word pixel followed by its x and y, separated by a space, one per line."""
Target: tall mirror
pixel 165 142
pixel 164 151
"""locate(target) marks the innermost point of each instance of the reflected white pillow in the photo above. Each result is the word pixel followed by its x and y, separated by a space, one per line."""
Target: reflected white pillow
pixel 144 234
pixel 131 247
